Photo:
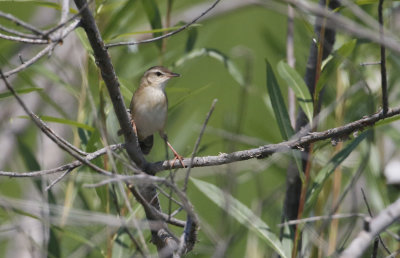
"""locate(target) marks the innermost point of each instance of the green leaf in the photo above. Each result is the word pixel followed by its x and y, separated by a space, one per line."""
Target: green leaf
pixel 386 121
pixel 192 36
pixel 217 55
pixel 332 64
pixel 53 247
pixel 147 31
pixel 64 121
pixel 242 214
pixel 278 104
pixel 299 87
pixel 115 21
pixel 153 14
pixel 42 4
pixel 27 156
pixel 191 94
pixel 328 169
pixel 7 94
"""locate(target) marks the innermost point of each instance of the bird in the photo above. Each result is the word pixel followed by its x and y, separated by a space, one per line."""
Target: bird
pixel 149 106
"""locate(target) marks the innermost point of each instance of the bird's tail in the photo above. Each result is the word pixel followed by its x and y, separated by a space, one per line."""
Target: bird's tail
pixel 146 144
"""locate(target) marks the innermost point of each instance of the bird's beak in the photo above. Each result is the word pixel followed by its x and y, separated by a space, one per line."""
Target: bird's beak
pixel 174 75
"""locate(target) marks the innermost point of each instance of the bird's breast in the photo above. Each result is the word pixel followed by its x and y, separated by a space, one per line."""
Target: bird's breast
pixel 150 111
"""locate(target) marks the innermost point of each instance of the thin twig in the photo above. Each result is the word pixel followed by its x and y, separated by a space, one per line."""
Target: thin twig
pixel 385 102
pixel 377 224
pixel 64 145
pixel 378 239
pixel 318 218
pixel 21 23
pixel 42 53
pixel 58 179
pixel 165 35
pixel 65 167
pixel 62 24
pixel 17 33
pixel 24 40
pixel 197 144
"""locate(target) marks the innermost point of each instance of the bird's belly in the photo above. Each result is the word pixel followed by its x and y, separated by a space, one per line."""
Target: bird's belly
pixel 150 117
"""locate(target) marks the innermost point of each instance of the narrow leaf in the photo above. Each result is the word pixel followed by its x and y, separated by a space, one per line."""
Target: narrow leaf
pixel 332 65
pixel 217 55
pixel 64 121
pixel 299 87
pixel 115 21
pixel 327 170
pixel 20 91
pixel 278 104
pixel 242 214
pixel 153 14
pixel 192 37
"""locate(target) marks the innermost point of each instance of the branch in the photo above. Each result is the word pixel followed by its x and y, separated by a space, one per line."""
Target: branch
pixel 196 146
pixel 24 40
pixel 64 145
pixel 42 53
pixel 165 35
pixel 21 23
pixel 375 226
pixel 110 79
pixel 334 133
pixel 385 103
pixel 66 167
pixel 20 34
pixel 337 21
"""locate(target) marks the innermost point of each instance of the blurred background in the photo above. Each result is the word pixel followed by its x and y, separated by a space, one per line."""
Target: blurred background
pixel 222 56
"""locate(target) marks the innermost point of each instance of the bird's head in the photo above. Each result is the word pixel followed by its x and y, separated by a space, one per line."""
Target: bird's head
pixel 157 76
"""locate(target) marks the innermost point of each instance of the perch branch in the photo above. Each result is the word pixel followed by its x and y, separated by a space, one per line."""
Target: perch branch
pixel 266 150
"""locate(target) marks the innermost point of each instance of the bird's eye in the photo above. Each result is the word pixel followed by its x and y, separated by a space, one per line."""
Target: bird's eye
pixel 158 73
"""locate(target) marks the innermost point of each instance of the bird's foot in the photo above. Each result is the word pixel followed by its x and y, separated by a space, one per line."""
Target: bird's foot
pixel 177 157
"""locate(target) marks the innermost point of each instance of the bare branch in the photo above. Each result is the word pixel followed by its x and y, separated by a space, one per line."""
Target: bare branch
pixel 196 146
pixel 266 150
pixel 17 33
pixel 110 79
pixel 21 23
pixel 165 35
pixel 64 145
pixel 65 167
pixel 42 53
pixel 342 23
pixel 24 40
pixel 319 218
pixel 376 225
pixel 385 102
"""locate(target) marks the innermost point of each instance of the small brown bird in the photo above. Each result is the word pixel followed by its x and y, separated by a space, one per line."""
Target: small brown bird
pixel 149 107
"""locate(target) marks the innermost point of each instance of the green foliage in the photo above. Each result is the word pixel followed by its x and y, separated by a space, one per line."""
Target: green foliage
pixel 278 104
pixel 222 56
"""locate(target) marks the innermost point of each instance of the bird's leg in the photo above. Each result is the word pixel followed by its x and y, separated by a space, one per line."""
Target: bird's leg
pixel 177 156
pixel 134 126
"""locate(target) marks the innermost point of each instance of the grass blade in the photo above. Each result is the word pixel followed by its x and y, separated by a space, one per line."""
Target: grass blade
pixel 242 214
pixel 278 104
pixel 299 87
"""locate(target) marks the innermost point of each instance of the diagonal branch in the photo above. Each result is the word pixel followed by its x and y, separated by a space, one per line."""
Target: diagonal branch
pixel 103 61
pixel 21 23
pixel 375 226
pixel 64 145
pixel 43 52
